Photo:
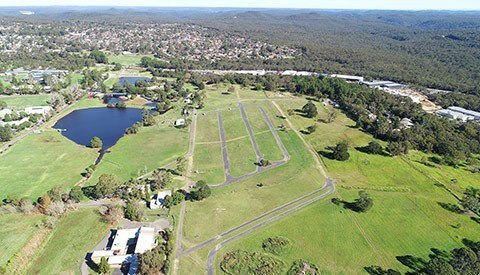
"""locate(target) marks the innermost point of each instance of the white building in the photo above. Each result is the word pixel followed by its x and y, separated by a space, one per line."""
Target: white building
pixel 351 78
pixel 126 244
pixel 455 115
pixel 156 201
pixel 179 122
pixel 38 110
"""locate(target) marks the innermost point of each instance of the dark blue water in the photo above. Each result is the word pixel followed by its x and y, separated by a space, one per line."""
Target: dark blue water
pixel 132 80
pixel 109 124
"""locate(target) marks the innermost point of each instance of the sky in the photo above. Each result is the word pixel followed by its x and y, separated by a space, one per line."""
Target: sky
pixel 317 4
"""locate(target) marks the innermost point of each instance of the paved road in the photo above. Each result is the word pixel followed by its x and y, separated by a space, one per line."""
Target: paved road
pixel 179 229
pixel 250 132
pixel 211 257
pixel 272 212
pixel 226 161
pixel 226 164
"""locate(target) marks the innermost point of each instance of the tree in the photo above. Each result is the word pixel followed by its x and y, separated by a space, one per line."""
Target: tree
pixel 231 89
pixel 264 163
pixel 96 142
pixel 103 266
pixel 43 203
pixel 151 262
pixel 161 179
pixel 310 110
pixel 201 191
pixel 5 134
pixel 181 165
pixel 106 186
pixel 99 57
pixel 177 198
pixel 374 148
pixel 364 202
pixel 311 129
pixel 111 213
pixel 133 212
pixel 331 116
pixel 76 194
pixel 340 152
pixel 3 104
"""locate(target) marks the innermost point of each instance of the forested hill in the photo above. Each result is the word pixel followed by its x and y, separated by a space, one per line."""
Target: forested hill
pixel 436 49
pixel 433 49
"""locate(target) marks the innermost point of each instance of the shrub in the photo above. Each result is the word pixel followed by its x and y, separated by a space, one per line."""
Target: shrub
pixel 374 148
pixel 302 267
pixel 96 142
pixel 245 262
pixel 276 245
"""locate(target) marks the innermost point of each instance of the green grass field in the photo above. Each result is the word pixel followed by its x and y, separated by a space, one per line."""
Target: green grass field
pixel 20 102
pixel 15 232
pixel 40 162
pixel 136 155
pixel 405 220
pixel 266 141
pixel 75 235
pixel 233 204
pixel 208 163
pixel 207 129
pixel 234 125
pixel 242 156
pixel 127 59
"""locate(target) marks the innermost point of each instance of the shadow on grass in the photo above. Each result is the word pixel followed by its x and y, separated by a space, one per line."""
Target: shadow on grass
pixel 414 263
pixel 347 205
pixel 364 149
pixel 377 270
pixel 454 208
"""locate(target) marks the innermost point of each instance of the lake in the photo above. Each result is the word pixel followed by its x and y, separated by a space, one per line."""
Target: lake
pixel 109 124
pixel 132 80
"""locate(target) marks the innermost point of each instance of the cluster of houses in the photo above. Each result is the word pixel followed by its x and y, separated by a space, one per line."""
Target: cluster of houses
pixel 459 113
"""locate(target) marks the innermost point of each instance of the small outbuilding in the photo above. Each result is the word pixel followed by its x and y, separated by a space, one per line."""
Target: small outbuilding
pixel 179 122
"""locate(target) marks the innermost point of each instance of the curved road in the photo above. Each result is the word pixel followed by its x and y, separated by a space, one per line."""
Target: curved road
pixel 213 252
pixel 267 217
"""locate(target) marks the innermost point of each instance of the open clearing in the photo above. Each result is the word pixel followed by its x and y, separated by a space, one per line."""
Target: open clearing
pixel 22 101
pixel 40 162
pixel 405 219
pixel 15 232
pixel 135 155
pixel 126 59
pixel 208 163
pixel 75 235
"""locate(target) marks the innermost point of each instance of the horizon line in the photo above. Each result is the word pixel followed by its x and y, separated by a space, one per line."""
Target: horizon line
pixel 226 7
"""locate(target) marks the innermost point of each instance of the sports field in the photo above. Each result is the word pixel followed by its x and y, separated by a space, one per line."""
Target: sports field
pixel 20 102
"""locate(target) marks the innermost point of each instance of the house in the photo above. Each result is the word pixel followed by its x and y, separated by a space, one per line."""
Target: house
pixel 124 245
pixel 157 200
pixel 38 110
pixel 179 122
